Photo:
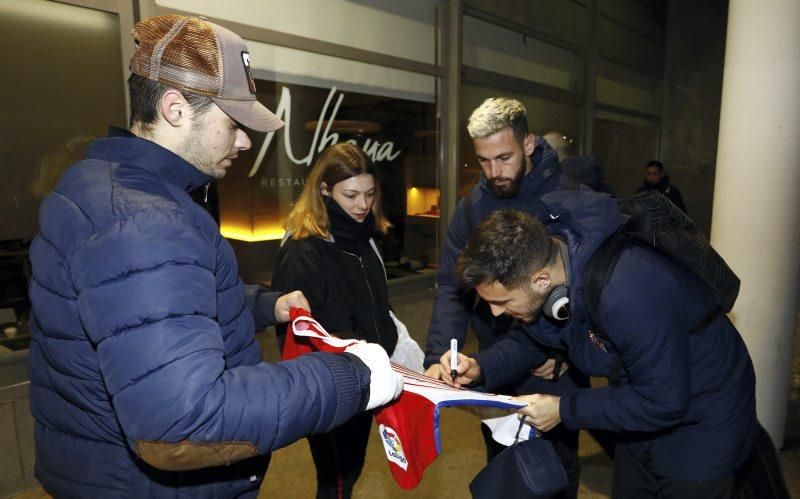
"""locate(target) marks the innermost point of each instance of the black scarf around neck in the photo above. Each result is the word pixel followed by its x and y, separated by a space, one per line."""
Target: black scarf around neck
pixel 347 231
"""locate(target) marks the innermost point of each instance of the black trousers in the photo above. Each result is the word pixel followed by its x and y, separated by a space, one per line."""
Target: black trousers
pixel 339 456
pixel 634 479
pixel 565 443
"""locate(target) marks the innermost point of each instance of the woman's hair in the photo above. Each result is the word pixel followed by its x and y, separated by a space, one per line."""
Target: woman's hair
pixel 53 164
pixel 342 161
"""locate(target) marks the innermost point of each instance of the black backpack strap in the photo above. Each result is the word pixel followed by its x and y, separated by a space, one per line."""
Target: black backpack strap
pixel 596 274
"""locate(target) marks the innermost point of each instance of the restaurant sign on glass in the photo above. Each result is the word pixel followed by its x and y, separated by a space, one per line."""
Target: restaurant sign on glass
pixel 398 134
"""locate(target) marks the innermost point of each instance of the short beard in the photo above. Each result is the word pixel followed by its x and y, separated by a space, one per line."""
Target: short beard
pixel 191 151
pixel 513 186
pixel 535 304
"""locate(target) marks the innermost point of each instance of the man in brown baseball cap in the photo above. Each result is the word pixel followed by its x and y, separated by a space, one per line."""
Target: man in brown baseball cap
pixel 200 73
pixel 194 55
pixel 146 379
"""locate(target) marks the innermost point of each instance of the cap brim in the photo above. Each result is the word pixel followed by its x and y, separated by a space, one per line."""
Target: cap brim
pixel 251 114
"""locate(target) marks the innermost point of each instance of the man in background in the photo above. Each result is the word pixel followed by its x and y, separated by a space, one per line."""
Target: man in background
pixel 656 180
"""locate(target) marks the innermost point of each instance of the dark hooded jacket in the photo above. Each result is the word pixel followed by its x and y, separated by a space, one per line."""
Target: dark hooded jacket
pixel 343 279
pixel 146 378
pixel 664 187
pixel 686 401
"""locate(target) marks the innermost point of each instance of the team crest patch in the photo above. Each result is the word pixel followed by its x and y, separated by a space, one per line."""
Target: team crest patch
pixel 393 447
pixel 250 81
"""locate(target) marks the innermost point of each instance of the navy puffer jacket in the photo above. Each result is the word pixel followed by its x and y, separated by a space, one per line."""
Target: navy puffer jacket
pixel 685 401
pixel 146 379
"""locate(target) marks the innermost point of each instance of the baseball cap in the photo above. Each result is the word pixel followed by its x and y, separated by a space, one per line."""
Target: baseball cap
pixel 195 55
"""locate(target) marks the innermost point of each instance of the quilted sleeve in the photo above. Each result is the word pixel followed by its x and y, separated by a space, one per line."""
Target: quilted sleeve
pixel 147 299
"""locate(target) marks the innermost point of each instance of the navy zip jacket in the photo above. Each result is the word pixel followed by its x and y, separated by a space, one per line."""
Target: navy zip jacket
pixel 452 307
pixel 143 362
pixel 686 401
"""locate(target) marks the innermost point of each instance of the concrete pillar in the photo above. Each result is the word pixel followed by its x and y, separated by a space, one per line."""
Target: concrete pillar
pixel 756 218
pixel 449 108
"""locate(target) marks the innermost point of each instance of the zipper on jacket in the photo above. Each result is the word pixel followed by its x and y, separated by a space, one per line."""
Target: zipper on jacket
pixel 369 288
pixel 205 192
pixel 597 342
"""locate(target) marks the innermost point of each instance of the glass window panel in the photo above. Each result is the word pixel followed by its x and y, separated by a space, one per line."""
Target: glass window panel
pixel 402 29
pixel 624 145
pixel 619 42
pixel 64 86
pixel 494 48
pixel 640 17
pixel 565 20
pixel 543 116
pixel 398 134
pixel 274 63
pixel 624 87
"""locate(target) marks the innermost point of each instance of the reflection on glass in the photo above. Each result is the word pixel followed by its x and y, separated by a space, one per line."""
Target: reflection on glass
pixel 63 87
pixel 64 82
pixel 395 133
pixel 624 148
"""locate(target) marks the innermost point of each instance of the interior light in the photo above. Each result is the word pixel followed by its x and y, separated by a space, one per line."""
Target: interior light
pixel 247 234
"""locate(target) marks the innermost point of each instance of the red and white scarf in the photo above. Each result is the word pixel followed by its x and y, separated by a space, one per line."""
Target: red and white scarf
pixel 408 426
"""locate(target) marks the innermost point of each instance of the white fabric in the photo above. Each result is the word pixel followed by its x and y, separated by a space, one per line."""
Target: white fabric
pixel 407 352
pixel 300 328
pixel 504 429
pixel 385 384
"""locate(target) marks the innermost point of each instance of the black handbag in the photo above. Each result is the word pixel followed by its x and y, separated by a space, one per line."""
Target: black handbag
pixel 529 469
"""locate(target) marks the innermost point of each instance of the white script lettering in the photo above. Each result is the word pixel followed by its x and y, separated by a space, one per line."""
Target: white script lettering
pixel 373 148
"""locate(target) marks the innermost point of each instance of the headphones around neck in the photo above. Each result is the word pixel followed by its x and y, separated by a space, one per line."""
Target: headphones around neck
pixel 556 306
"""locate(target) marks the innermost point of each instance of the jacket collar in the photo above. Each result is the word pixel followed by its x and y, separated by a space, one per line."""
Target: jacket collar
pixel 121 146
pixel 661 185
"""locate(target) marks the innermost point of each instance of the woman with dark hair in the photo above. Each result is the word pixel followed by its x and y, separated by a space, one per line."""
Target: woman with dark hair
pixel 328 253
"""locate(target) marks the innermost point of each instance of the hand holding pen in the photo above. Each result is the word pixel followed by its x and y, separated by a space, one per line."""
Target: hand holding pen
pixel 463 370
pixel 453 360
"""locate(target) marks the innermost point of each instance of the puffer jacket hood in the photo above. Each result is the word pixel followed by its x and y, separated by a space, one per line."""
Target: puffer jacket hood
pixel 584 220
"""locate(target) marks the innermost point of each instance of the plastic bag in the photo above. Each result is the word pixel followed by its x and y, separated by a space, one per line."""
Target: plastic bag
pixel 407 352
